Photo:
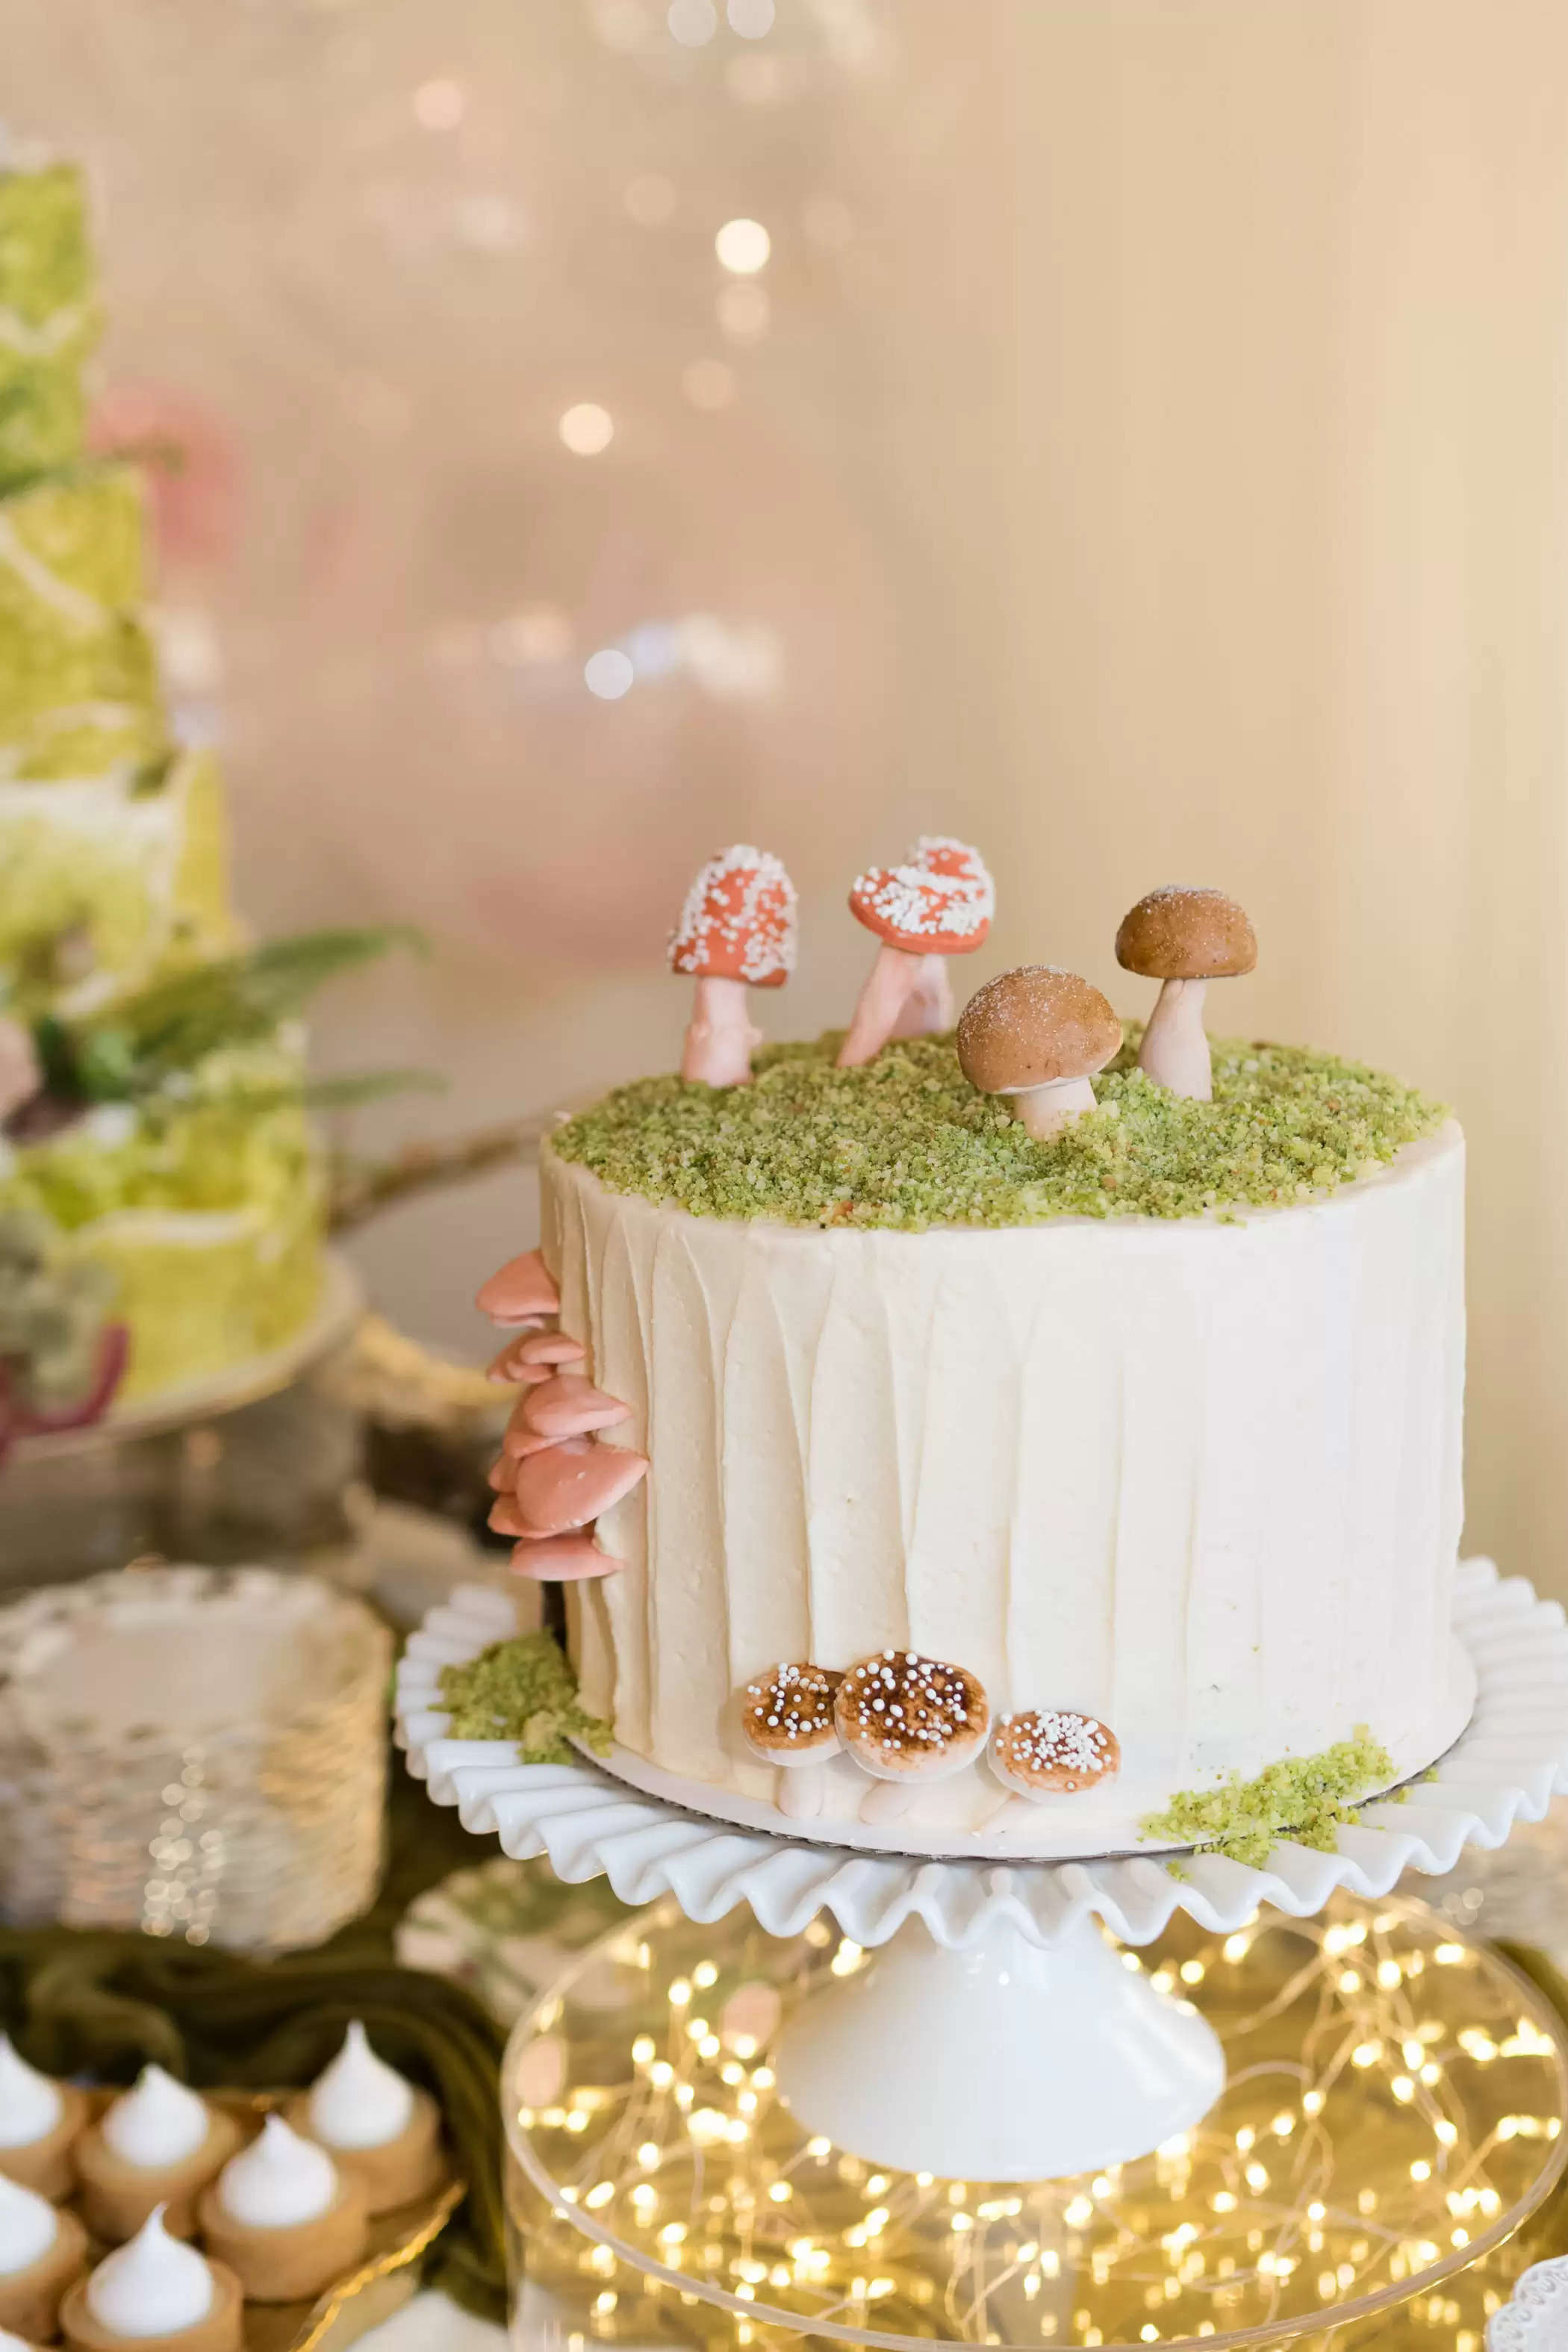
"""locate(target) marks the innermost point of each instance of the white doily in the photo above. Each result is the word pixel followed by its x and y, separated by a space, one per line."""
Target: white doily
pixel 1506 1766
pixel 1536 2320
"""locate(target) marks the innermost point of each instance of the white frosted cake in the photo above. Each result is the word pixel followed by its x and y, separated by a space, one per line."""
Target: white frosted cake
pixel 1150 1428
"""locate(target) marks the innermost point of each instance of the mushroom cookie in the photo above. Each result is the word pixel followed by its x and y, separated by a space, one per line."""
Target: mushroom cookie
pixel 157 2145
pixel 156 2294
pixel 1183 937
pixel 787 1718
pixel 379 2126
pixel 43 2249
pixel 283 2217
pixel 736 931
pixel 1053 1752
pixel 937 903
pixel 40 2120
pixel 908 1721
pixel 1038 1035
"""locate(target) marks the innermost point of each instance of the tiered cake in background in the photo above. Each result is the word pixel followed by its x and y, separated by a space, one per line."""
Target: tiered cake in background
pixel 154 1154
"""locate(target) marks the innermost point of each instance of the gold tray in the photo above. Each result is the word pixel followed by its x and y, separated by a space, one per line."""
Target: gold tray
pixel 380 2282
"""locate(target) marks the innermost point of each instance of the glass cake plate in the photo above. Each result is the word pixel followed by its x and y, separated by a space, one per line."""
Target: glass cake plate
pixel 1392 2119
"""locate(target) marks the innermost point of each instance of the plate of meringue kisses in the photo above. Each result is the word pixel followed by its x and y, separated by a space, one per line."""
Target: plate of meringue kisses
pixel 176 2221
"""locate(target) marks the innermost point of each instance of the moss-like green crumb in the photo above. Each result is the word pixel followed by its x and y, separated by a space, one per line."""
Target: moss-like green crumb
pixel 523 1690
pixel 1305 1798
pixel 907 1142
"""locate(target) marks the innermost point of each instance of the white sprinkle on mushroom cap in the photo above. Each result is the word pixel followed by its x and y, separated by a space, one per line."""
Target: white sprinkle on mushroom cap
pixel 1034 1027
pixel 787 1712
pixel 737 921
pixel 1051 1751
pixel 1186 931
pixel 921 911
pixel 900 1714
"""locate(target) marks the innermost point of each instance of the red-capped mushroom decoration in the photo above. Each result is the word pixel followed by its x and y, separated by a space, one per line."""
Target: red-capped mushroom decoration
pixel 736 931
pixel 552 1479
pixel 23 1418
pixel 938 903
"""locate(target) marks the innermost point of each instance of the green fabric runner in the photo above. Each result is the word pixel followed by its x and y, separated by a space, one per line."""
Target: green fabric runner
pixel 99 2003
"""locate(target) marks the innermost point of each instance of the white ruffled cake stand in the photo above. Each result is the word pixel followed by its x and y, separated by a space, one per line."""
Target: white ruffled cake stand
pixel 1045 2056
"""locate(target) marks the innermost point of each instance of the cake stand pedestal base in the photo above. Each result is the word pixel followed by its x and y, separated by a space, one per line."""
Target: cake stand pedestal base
pixel 1001 2061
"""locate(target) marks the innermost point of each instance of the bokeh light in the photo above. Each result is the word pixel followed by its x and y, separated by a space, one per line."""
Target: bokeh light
pixel 744 247
pixel 751 18
pixel 708 384
pixel 650 200
pixel 439 105
pixel 608 673
pixel 743 311
pixel 692 22
pixel 587 428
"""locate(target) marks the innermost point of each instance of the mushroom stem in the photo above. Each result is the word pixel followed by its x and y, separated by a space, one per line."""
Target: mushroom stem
pixel 1176 1050
pixel 929 1009
pixel 904 996
pixel 1046 1110
pixel 888 1800
pixel 802 1789
pixel 719 1037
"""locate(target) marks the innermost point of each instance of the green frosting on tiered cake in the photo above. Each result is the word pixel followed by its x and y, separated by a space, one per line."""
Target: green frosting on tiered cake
pixel 106 883
pixel 79 683
pixel 204 1211
pixel 48 318
pixel 192 1206
pixel 907 1142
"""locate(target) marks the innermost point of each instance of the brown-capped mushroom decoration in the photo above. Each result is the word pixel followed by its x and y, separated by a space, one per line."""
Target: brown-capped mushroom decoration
pixel 1053 1752
pixel 787 1720
pixel 908 1720
pixel 939 903
pixel 1038 1035
pixel 553 1479
pixel 736 931
pixel 1185 937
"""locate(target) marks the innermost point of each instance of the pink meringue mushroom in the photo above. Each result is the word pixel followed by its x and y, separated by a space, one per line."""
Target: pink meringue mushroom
pixel 535 1356
pixel 573 1482
pixel 522 1293
pixel 563 1560
pixel 736 931
pixel 937 904
pixel 564 1406
pixel 571 1406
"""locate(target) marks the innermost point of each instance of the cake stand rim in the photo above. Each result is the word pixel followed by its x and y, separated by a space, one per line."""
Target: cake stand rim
pixel 589 1824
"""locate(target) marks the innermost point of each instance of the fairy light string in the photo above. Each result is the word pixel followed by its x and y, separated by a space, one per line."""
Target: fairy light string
pixel 1395 2099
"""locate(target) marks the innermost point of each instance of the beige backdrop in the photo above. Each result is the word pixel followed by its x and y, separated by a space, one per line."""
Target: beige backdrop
pixel 1151 463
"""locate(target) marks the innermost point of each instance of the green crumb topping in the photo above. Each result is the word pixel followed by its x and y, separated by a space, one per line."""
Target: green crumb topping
pixel 523 1690
pixel 907 1142
pixel 1306 1798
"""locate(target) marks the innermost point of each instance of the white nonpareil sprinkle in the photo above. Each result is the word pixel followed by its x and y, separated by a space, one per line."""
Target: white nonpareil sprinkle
pixel 939 853
pixel 1053 1741
pixel 794 1702
pixel 899 1703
